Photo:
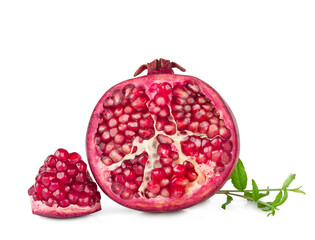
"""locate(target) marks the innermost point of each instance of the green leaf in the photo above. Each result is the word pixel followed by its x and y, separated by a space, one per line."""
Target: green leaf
pixel 284 198
pixel 277 199
pixel 229 199
pixel 297 190
pixel 288 181
pixel 255 192
pixel 239 176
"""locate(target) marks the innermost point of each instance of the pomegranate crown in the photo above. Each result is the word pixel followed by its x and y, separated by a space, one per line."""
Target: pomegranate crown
pixel 158 67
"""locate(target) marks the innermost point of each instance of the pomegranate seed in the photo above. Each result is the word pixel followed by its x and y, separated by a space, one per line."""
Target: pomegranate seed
pixel 175 155
pixel 117 97
pixel 182 123
pixel 129 134
pixel 131 185
pixel 224 132
pixel 115 155
pixel 136 92
pixel 191 175
pixel 134 126
pixel 124 118
pixel 59 195
pixel 165 192
pixel 180 181
pixel 216 156
pixel 74 158
pixel 213 131
pixel 164 88
pixel 143 158
pixel 157 174
pixel 72 197
pixel 219 168
pixel 153 186
pixel 81 177
pixel 160 122
pixel 178 101
pixel 108 114
pixel 72 171
pixel 164 182
pixel 138 169
pixel 193 87
pixel 188 148
pixel 46 193
pixel 153 108
pixel 179 170
pixel 117 187
pixel 61 166
pixel 146 133
pixel 108 102
pixel 178 114
pixel 61 154
pixel 177 192
pixel 122 127
pixel 203 127
pixel 226 158
pixel 113 132
pixel 164 139
pixel 193 126
pixel 168 171
pixel 180 91
pixel 146 123
pixel 163 150
pixel 170 128
pixel 83 201
pixel 188 164
pixel 140 102
pixel 127 90
pixel 201 158
pixel 119 138
pixel 164 112
pixel 161 100
pixel 129 174
pixel 227 146
pixel 177 107
pixel 129 109
pixel 207 151
pixel 166 161
pixel 51 161
pixel 81 166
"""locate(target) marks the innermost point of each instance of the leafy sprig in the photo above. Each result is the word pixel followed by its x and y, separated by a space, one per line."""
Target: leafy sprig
pixel 239 181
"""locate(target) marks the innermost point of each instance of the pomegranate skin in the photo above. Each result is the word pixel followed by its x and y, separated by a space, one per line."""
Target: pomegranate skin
pixel 193 196
pixel 41 209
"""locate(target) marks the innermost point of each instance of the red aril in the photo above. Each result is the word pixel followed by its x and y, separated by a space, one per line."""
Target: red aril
pixel 66 191
pixel 161 142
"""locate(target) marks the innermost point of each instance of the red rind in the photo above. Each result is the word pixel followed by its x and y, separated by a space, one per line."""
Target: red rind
pixel 42 209
pixel 160 204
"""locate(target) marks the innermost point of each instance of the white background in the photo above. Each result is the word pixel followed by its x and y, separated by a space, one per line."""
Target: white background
pixel 57 58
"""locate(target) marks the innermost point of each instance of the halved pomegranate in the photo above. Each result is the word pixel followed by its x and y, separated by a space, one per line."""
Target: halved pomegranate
pixel 63 187
pixel 161 142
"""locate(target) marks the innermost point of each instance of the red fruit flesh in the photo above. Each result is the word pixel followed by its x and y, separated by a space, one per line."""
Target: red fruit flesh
pixel 179 144
pixel 64 188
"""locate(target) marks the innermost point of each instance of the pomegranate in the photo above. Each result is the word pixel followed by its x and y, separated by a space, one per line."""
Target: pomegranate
pixel 161 142
pixel 63 187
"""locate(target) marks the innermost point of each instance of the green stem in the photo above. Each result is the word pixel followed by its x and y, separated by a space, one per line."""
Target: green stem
pixel 263 190
pixel 250 198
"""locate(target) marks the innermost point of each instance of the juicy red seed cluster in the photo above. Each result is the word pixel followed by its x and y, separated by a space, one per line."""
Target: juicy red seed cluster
pixel 195 112
pixel 217 150
pixel 125 117
pixel 170 181
pixel 127 178
pixel 64 180
pixel 159 107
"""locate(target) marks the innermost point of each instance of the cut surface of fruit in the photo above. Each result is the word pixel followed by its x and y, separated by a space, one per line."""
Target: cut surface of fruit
pixel 63 187
pixel 161 142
